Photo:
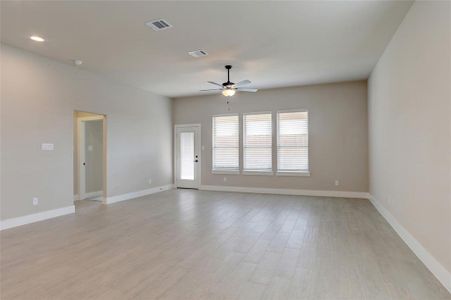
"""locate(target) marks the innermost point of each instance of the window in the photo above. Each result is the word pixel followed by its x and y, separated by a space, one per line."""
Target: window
pixel 226 143
pixel 292 142
pixel 186 155
pixel 257 143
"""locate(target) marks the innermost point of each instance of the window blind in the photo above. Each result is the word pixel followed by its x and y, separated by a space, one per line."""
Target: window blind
pixel 226 143
pixel 257 142
pixel 292 142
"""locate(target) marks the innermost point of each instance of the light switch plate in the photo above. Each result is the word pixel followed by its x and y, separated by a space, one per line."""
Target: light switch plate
pixel 47 147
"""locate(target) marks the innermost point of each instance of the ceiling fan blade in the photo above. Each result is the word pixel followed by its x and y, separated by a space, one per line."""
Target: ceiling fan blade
pixel 209 90
pixel 218 84
pixel 247 90
pixel 243 82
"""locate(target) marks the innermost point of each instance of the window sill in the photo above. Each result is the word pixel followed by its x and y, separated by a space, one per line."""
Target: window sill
pixel 264 173
pixel 225 172
pixel 288 173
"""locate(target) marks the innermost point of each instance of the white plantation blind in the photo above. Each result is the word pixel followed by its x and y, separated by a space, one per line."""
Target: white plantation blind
pixel 226 143
pixel 257 143
pixel 292 142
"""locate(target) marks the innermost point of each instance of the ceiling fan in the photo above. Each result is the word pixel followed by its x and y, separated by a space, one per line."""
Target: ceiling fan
pixel 229 88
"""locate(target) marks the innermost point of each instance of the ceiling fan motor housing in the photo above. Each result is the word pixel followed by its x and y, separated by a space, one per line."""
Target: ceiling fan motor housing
pixel 229 88
pixel 228 84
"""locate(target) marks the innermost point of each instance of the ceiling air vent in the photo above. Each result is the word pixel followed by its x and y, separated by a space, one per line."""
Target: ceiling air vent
pixel 158 24
pixel 198 53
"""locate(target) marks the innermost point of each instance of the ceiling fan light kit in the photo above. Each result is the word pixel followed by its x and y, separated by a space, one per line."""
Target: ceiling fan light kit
pixel 228 88
pixel 228 92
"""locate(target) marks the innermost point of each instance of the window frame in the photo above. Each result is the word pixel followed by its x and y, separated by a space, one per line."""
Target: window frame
pixel 292 173
pixel 243 132
pixel 225 171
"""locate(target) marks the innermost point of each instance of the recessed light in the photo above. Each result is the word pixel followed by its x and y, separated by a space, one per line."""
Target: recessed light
pixel 37 38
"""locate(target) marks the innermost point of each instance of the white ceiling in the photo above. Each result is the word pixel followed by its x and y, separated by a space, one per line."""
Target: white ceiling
pixel 273 44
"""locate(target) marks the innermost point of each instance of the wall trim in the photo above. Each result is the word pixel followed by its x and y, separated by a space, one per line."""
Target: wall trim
pixel 296 192
pixel 132 195
pixel 439 271
pixel 92 195
pixel 98 196
pixel 40 216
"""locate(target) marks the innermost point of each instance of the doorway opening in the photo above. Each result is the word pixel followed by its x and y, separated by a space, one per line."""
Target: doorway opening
pixel 89 158
pixel 187 156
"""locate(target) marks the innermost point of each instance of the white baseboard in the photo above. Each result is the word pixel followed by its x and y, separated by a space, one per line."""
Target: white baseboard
pixel 439 271
pixel 48 214
pixel 93 194
pixel 96 196
pixel 88 195
pixel 99 198
pixel 132 195
pixel 296 192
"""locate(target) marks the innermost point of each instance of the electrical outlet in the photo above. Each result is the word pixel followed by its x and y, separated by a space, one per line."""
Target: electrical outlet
pixel 35 201
pixel 150 180
pixel 337 182
pixel 225 179
pixel 47 147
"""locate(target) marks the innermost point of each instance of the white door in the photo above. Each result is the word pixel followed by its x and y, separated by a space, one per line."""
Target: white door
pixel 187 156
pixel 81 159
pixel 90 157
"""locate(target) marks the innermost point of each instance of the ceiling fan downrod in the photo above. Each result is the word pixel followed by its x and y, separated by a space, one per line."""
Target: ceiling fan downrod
pixel 228 67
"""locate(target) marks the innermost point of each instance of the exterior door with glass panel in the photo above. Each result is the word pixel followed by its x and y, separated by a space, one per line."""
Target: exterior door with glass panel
pixel 187 156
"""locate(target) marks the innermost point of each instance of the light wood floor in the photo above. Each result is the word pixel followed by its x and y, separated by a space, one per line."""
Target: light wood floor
pixel 185 244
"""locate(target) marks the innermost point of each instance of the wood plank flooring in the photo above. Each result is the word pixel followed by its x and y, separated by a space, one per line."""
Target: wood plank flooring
pixel 186 244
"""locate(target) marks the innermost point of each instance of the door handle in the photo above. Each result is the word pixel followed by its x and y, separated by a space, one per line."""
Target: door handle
pixel 84 164
pixel 196 160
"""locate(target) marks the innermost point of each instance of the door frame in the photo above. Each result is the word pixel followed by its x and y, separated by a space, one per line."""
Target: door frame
pixel 80 136
pixel 199 146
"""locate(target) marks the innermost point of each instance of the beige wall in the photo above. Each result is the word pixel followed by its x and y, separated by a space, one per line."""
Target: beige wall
pixel 338 133
pixel 410 127
pixel 38 100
